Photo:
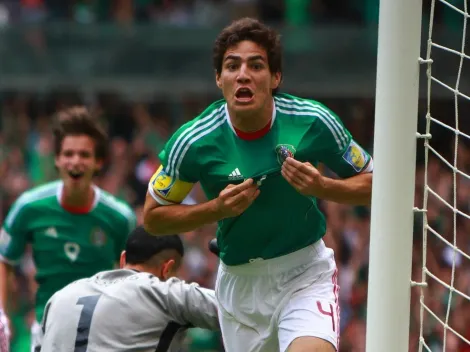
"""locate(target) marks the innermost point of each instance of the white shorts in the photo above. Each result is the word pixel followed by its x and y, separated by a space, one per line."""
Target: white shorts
pixel 36 337
pixel 267 304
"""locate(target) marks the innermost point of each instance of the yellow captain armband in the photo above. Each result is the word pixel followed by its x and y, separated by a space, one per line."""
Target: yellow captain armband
pixel 166 190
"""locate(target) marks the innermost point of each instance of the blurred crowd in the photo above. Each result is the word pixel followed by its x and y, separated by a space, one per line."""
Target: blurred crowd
pixel 204 12
pixel 138 131
pixel 139 128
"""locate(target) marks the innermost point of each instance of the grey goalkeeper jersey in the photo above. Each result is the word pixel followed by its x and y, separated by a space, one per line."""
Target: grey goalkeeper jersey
pixel 124 310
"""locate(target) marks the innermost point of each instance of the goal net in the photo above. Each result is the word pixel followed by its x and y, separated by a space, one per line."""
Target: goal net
pixel 440 299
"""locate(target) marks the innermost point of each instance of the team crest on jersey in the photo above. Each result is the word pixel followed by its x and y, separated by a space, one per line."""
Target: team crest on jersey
pixel 355 156
pixel 284 151
pixel 162 183
pixel 98 237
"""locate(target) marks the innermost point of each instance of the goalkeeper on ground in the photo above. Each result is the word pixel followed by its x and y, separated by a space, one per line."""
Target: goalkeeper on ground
pixel 140 307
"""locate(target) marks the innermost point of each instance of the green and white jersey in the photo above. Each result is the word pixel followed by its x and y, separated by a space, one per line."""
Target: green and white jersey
pixel 280 221
pixel 66 246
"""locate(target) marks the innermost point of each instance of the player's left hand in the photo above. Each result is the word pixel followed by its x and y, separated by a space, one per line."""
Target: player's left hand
pixel 304 177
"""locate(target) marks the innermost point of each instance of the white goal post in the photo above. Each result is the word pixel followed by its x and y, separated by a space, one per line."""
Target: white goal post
pixel 396 116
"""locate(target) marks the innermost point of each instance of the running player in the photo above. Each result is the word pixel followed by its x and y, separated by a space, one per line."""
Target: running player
pixel 255 154
pixel 128 309
pixel 75 228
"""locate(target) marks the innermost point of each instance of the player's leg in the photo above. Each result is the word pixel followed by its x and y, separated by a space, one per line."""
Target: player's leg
pixel 310 320
pixel 310 344
pixel 245 318
pixel 238 337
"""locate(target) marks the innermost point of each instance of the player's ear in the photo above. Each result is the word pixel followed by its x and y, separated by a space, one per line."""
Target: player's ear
pixel 168 269
pixel 217 80
pixel 122 260
pixel 276 80
pixel 99 164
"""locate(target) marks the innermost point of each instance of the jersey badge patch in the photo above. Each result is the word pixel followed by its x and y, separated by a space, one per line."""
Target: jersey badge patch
pixel 72 250
pixel 162 183
pixel 284 151
pixel 355 156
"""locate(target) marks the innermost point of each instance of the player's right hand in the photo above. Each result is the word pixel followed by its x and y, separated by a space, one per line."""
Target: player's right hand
pixel 235 199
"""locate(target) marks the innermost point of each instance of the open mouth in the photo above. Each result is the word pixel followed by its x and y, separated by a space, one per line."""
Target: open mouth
pixel 244 95
pixel 76 175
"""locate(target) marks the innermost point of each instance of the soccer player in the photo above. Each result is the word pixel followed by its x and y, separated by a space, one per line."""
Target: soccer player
pixel 128 309
pixel 255 154
pixel 75 228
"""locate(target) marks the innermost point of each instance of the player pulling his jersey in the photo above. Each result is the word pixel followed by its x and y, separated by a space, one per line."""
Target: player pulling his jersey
pixel 255 155
pixel 75 228
pixel 128 309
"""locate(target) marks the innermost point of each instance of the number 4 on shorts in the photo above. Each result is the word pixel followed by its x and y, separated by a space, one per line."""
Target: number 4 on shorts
pixel 327 313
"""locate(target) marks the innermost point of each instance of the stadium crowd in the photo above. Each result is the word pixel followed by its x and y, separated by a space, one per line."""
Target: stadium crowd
pixel 204 12
pixel 138 131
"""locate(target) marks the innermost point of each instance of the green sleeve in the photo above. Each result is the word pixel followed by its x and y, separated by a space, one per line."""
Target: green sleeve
pixel 336 147
pixel 14 233
pixel 179 156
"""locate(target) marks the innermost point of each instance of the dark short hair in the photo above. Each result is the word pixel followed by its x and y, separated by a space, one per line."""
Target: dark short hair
pixel 253 30
pixel 77 121
pixel 142 246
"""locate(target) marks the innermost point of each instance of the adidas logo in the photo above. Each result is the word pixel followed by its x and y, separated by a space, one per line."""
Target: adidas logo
pixel 235 175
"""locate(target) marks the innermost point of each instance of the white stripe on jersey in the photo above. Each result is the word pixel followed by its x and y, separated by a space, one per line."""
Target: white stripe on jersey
pixel 187 134
pixel 220 121
pixel 121 208
pixel 330 121
pixel 32 195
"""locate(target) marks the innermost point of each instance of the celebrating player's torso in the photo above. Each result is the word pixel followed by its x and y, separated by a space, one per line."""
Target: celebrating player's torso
pixel 66 246
pixel 281 220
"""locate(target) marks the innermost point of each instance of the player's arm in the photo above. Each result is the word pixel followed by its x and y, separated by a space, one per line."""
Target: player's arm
pixel 340 153
pixel 355 190
pixel 5 271
pixel 13 238
pixel 188 304
pixel 163 213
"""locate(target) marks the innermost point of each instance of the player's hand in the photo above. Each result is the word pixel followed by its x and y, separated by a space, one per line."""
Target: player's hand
pixel 235 199
pixel 5 332
pixel 304 177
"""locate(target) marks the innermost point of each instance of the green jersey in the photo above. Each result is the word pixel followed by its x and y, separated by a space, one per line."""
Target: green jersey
pixel 281 220
pixel 65 246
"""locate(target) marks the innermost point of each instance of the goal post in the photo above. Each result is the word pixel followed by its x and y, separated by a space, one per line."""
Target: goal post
pixel 396 116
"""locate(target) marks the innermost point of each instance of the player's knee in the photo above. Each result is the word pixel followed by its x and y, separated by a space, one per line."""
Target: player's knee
pixel 310 344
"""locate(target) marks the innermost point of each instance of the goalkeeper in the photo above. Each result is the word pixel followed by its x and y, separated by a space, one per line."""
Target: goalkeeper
pixel 140 307
pixel 255 154
pixel 75 228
